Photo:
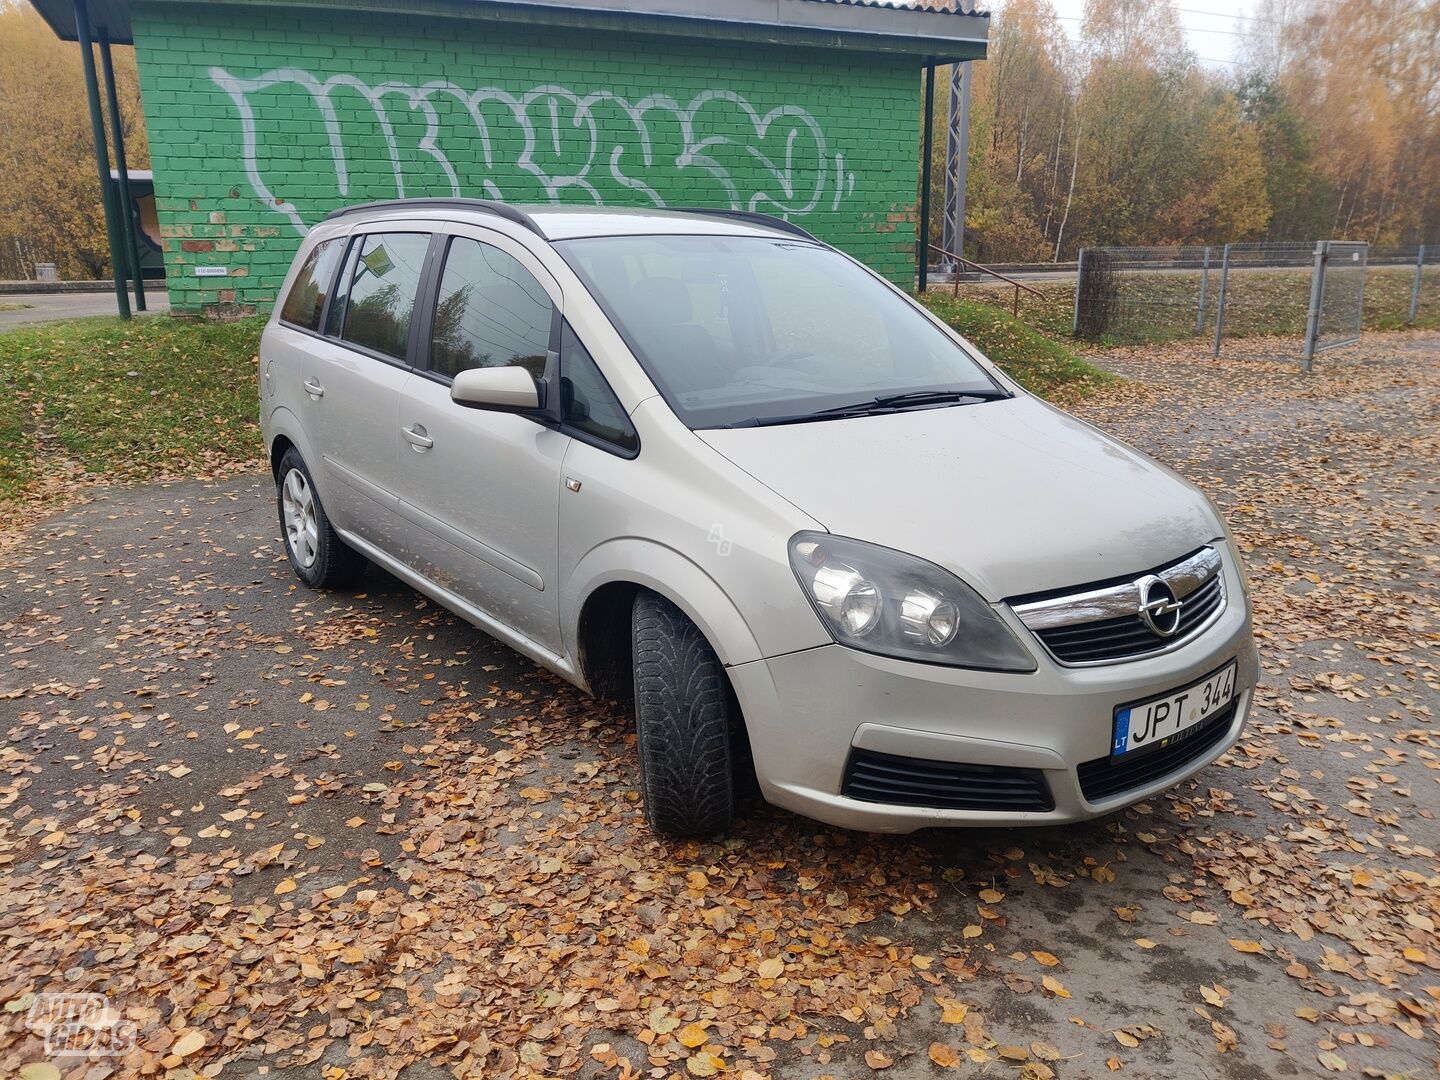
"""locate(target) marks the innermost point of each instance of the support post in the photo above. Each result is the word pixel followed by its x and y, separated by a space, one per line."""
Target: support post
pixel 102 156
pixel 1317 295
pixel 922 244
pixel 1415 287
pixel 1220 305
pixel 1079 284
pixel 117 137
pixel 957 160
pixel 1204 280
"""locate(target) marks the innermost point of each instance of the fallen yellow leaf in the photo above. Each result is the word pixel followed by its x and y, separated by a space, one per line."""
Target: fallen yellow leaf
pixel 944 1055
pixel 704 1064
pixel 692 1035
pixel 952 1011
pixel 188 1043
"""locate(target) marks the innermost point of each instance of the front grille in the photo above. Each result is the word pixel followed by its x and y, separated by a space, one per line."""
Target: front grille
pixel 944 785
pixel 1127 637
pixel 1108 776
pixel 1126 618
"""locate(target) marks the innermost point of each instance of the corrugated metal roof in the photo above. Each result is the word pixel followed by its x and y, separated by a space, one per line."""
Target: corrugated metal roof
pixel 953 7
pixel 905 27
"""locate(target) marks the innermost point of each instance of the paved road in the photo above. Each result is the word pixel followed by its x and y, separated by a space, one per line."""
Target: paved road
pixel 27 309
pixel 289 831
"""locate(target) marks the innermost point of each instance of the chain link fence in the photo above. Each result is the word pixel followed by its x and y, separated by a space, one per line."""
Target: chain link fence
pixel 1130 295
pixel 1137 294
pixel 1337 297
pixel 1408 279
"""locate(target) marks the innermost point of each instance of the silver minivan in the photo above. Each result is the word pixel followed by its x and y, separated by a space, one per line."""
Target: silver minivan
pixel 703 463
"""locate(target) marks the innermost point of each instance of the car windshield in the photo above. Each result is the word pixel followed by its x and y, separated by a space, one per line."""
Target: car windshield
pixel 739 330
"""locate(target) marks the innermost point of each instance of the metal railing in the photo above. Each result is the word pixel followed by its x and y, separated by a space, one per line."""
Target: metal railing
pixel 962 261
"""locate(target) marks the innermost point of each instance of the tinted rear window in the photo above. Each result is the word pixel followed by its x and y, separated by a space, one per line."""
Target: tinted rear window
pixel 306 302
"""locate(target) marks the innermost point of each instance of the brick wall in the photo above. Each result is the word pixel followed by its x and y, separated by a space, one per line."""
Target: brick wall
pixel 260 122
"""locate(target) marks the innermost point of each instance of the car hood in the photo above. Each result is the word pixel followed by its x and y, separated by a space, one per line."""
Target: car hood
pixel 1013 496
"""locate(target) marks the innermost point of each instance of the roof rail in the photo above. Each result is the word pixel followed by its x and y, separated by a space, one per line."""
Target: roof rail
pixel 486 206
pixel 770 221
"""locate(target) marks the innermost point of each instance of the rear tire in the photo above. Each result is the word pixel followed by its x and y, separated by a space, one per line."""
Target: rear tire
pixel 684 723
pixel 317 555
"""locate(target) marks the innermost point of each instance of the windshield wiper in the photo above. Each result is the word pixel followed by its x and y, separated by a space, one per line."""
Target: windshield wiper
pixel 918 398
pixel 887 403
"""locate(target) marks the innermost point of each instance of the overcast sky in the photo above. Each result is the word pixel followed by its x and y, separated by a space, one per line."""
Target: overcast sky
pixel 1210 24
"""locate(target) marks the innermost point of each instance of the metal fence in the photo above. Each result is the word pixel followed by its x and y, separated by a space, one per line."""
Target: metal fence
pixel 1136 295
pixel 1337 297
pixel 1142 293
pixel 1419 269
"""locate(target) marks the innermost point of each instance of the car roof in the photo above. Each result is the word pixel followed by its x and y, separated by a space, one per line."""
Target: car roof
pixel 555 222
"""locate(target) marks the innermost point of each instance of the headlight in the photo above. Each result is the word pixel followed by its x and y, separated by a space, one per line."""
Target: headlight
pixel 892 604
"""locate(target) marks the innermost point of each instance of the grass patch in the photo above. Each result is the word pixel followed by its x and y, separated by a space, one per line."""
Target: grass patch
pixel 15 307
pixel 1039 363
pixel 153 398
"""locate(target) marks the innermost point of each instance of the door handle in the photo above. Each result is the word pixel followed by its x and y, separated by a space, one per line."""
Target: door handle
pixel 417 437
pixel 314 389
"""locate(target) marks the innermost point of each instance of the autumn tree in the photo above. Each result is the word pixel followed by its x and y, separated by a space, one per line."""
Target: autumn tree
pixel 50 207
pixel 1327 125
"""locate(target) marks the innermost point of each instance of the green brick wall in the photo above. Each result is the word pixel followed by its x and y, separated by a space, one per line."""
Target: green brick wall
pixel 261 120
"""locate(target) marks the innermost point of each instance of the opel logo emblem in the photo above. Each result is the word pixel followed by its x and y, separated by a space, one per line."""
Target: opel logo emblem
pixel 1159 610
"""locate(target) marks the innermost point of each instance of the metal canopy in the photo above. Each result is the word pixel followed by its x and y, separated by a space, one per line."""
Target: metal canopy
pixel 939 35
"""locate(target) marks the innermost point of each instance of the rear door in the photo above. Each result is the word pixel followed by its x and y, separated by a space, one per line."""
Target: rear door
pixel 355 373
pixel 484 487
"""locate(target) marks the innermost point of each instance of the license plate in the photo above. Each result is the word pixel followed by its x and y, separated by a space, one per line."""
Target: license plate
pixel 1164 720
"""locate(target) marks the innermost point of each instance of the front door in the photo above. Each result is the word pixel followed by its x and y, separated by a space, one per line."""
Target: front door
pixel 482 486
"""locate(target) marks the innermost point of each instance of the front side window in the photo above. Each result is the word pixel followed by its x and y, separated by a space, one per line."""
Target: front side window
pixel 738 330
pixel 490 312
pixel 306 302
pixel 586 401
pixel 376 300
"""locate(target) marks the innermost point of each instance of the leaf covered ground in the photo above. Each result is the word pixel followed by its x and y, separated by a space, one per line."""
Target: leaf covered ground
pixel 293 834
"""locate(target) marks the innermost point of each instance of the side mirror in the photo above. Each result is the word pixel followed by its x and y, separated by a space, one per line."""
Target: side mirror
pixel 499 389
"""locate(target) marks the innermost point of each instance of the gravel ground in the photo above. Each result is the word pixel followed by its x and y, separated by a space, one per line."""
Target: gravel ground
pixel 293 834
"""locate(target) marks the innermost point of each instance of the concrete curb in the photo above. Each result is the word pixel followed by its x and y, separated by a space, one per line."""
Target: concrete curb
pixel 30 288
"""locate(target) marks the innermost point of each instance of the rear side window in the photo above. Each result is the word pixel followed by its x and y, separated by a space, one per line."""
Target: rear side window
pixel 306 301
pixel 587 403
pixel 491 312
pixel 376 298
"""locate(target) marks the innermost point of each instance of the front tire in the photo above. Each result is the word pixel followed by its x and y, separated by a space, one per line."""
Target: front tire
pixel 317 555
pixel 684 723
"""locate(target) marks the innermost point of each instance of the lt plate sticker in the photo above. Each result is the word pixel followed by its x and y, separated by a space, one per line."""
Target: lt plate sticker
pixel 1158 721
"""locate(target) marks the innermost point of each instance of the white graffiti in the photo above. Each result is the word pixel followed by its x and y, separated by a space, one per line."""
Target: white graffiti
pixel 536 145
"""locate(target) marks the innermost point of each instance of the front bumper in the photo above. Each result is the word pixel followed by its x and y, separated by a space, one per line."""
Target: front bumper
pixel 806 712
